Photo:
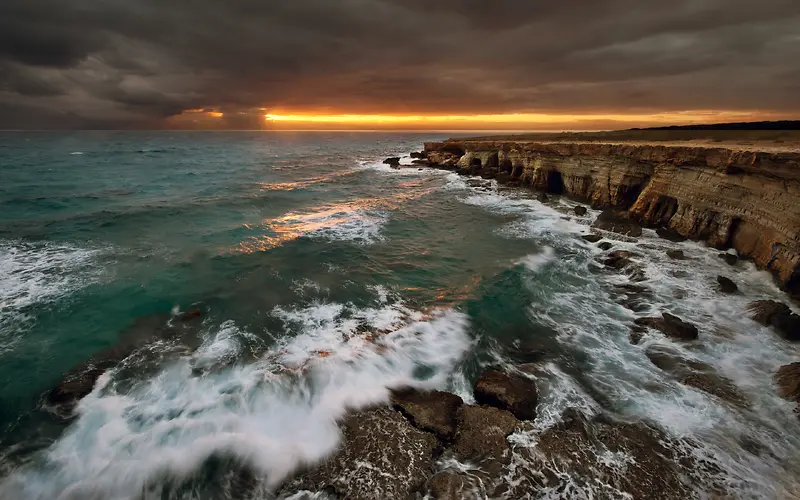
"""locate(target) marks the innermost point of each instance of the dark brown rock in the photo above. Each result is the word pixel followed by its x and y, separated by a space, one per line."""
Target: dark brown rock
pixel 433 411
pixel 788 380
pixel 618 222
pixel 419 155
pixel 726 285
pixel 633 297
pixel 542 197
pixel 393 161
pixel 670 234
pixel 381 456
pixel 676 254
pixel 579 210
pixel 592 238
pixel 729 258
pixel 605 245
pixel 508 391
pixel 618 259
pixel 671 326
pixel 777 315
pixel 449 485
pixel 762 311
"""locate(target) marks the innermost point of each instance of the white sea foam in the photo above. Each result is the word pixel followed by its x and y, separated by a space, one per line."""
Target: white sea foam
pixel 38 273
pixel 275 414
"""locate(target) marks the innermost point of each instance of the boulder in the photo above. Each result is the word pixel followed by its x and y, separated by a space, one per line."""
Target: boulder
pixel 393 161
pixel 729 258
pixel 777 315
pixel 670 234
pixel 671 326
pixel 592 238
pixel 606 245
pixel 788 380
pixel 508 391
pixel 726 285
pixel 580 210
pixel 618 222
pixel 433 411
pixel 676 254
pixel 762 311
pixel 381 456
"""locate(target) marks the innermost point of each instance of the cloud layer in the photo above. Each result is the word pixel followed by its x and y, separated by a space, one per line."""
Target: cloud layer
pixel 136 63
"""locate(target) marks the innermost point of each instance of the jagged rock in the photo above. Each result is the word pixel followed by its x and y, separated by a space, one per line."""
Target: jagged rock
pixel 580 211
pixel 671 326
pixel 729 258
pixel 762 311
pixel 433 411
pixel 381 456
pixel 670 234
pixel 676 254
pixel 606 245
pixel 508 391
pixel 393 161
pixel 592 238
pixel 788 380
pixel 777 315
pixel 617 222
pixel 726 285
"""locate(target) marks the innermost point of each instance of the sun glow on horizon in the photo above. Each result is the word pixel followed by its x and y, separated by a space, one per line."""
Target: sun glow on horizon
pixel 507 119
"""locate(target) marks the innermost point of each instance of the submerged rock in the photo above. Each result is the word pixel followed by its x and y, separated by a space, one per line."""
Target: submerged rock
pixel 676 254
pixel 381 456
pixel 542 197
pixel 729 258
pixel 618 222
pixel 605 245
pixel 671 326
pixel 633 297
pixel 592 238
pixel 508 391
pixel 726 285
pixel 80 381
pixel 433 411
pixel 579 210
pixel 618 259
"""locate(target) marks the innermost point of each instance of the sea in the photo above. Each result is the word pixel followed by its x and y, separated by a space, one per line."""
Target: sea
pixel 324 279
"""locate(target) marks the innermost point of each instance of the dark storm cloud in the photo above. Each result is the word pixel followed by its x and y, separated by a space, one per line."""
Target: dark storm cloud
pixel 136 62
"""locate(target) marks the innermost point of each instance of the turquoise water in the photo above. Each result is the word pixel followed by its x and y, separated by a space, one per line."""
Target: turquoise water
pixel 324 279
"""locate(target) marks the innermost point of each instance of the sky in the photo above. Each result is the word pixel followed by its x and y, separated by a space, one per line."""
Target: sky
pixel 396 64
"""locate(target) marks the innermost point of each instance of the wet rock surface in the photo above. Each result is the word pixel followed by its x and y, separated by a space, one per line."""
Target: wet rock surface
pixel 381 456
pixel 670 235
pixel 729 258
pixel 605 245
pixel 393 161
pixel 726 285
pixel 592 238
pixel 788 380
pixel 509 391
pixel 618 259
pixel 671 326
pixel 777 315
pixel 579 210
pixel 431 411
pixel 676 254
pixel 481 436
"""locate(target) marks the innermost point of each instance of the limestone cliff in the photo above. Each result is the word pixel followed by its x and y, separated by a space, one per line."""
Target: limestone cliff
pixel 748 200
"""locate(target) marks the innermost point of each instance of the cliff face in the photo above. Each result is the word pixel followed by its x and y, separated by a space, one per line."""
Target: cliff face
pixel 746 200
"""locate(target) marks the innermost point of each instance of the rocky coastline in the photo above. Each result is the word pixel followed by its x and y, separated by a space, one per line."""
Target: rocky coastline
pixel 745 200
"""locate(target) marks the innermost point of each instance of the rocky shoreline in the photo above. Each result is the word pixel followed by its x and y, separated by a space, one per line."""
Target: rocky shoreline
pixel 746 200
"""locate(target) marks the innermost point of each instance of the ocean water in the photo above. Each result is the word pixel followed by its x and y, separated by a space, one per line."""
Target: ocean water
pixel 325 279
